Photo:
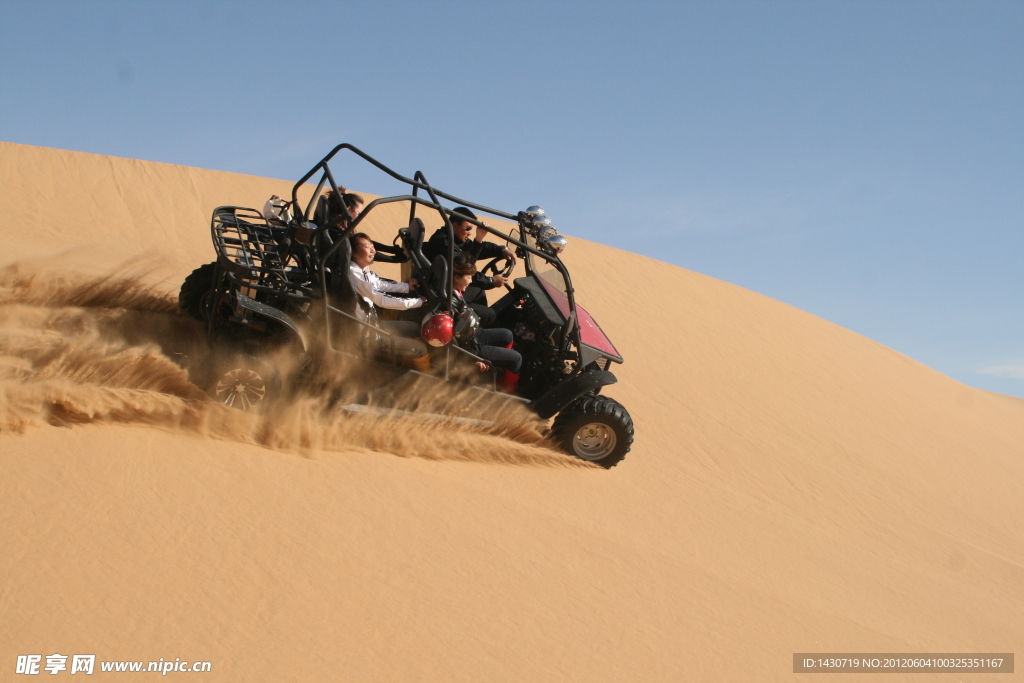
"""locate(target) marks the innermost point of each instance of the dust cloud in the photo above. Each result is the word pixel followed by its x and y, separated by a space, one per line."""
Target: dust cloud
pixel 112 348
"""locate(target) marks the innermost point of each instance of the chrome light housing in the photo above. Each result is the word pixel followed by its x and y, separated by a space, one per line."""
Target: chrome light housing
pixel 534 211
pixel 557 243
pixel 541 222
pixel 550 241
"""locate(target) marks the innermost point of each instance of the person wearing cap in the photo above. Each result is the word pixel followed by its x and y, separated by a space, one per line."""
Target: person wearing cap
pixel 477 250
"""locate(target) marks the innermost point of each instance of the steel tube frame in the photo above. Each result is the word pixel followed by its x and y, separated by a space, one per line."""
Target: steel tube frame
pixel 570 330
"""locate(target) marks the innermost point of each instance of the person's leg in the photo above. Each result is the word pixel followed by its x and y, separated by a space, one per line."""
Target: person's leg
pixel 405 344
pixel 498 336
pixel 401 328
pixel 502 358
pixel 494 346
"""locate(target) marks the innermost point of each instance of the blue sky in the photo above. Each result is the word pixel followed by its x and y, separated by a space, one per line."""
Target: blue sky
pixel 863 161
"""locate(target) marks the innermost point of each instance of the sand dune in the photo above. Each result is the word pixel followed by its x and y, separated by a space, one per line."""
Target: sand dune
pixel 793 486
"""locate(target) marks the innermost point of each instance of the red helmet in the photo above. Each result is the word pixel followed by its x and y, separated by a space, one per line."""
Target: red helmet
pixel 438 329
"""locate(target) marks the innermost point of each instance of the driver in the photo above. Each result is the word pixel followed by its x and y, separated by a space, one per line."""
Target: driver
pixel 475 249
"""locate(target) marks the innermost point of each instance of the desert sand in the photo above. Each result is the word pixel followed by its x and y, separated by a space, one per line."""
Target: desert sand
pixel 793 487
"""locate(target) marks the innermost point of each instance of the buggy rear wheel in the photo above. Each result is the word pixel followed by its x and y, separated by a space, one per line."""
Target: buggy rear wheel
pixel 596 429
pixel 195 291
pixel 243 382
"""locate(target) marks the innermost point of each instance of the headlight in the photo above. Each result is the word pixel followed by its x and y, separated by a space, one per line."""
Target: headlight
pixel 549 240
pixel 541 222
pixel 557 243
pixel 534 211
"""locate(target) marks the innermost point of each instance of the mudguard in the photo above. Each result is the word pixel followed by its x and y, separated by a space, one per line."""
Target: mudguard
pixel 274 314
pixel 568 390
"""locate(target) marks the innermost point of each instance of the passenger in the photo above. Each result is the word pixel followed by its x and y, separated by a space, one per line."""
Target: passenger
pixel 376 291
pixel 342 211
pixel 476 249
pixel 353 204
pixel 494 344
pixel 350 202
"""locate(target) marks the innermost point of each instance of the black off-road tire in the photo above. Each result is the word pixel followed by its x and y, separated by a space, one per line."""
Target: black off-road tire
pixel 241 381
pixel 596 429
pixel 195 291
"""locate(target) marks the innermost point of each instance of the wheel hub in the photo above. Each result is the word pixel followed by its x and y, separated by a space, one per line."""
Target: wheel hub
pixel 594 441
pixel 241 388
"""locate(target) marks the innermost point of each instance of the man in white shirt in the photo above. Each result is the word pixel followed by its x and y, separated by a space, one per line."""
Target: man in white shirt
pixel 377 291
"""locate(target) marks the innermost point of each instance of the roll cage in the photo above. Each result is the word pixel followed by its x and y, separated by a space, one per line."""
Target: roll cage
pixel 570 331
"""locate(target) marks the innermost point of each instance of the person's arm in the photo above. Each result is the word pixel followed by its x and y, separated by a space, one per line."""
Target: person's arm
pixel 385 285
pixel 364 283
pixel 483 281
pixel 489 250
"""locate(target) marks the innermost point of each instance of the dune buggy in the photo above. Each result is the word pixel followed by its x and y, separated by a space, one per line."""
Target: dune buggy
pixel 281 282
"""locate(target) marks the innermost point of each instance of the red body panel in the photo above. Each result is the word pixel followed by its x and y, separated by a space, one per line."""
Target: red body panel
pixel 591 333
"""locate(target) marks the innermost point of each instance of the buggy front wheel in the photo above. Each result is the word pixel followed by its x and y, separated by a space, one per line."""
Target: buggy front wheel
pixel 597 429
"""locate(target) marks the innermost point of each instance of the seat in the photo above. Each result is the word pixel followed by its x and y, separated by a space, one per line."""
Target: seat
pixel 343 294
pixel 436 278
pixel 433 275
pixel 412 238
pixel 322 213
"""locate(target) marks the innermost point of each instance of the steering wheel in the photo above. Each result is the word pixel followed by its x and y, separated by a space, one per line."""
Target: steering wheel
pixel 504 270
